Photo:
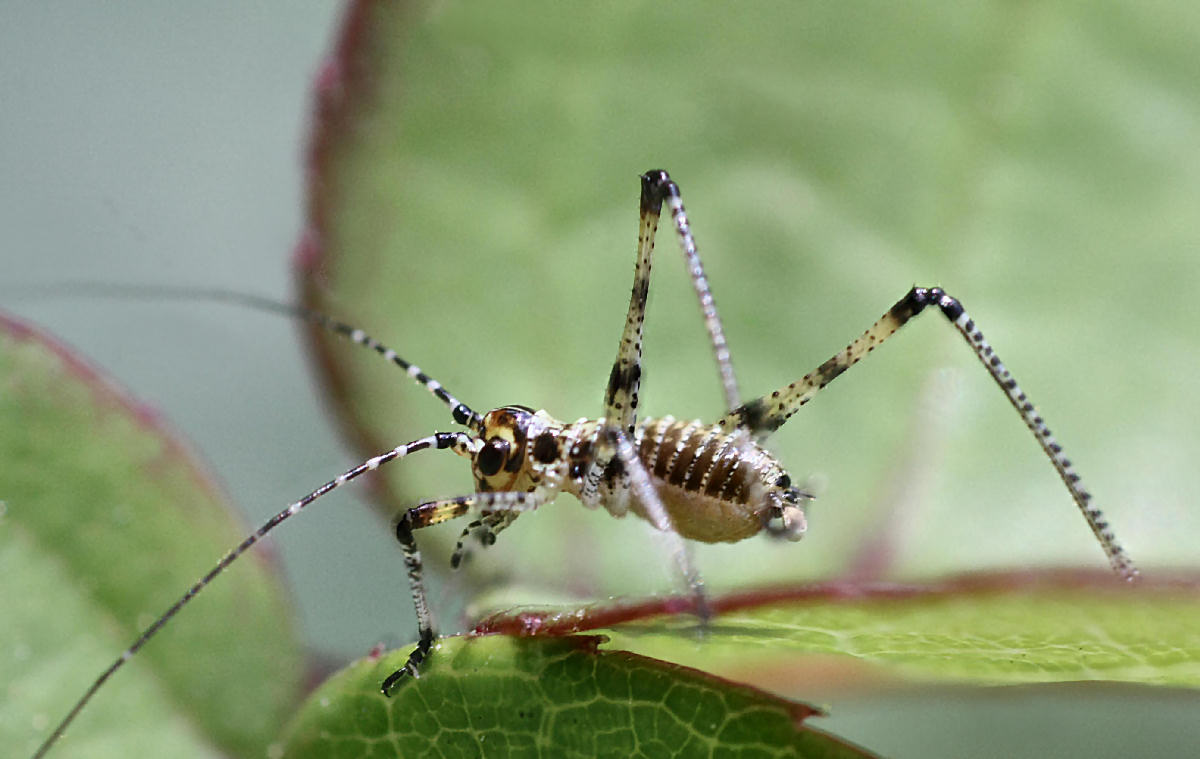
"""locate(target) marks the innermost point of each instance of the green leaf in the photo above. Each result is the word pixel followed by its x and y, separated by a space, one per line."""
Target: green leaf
pixel 106 520
pixel 988 629
pixel 537 697
pixel 503 693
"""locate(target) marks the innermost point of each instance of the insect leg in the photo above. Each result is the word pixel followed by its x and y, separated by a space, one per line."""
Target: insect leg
pixel 615 461
pixel 489 526
pixel 438 440
pixel 643 490
pixel 621 399
pixel 436 512
pixel 764 415
pixel 657 187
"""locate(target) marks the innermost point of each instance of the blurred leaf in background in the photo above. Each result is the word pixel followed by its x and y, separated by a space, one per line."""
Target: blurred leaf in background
pixel 474 204
pixel 105 517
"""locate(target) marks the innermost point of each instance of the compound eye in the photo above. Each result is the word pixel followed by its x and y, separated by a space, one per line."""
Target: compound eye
pixel 492 456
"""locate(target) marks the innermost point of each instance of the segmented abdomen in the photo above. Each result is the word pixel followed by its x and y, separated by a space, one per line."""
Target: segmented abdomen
pixel 716 487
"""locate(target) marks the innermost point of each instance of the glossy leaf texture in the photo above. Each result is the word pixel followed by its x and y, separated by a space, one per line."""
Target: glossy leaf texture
pixel 543 697
pixel 986 629
pixel 535 687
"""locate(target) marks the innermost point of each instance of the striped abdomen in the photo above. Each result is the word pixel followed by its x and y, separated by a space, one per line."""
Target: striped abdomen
pixel 716 487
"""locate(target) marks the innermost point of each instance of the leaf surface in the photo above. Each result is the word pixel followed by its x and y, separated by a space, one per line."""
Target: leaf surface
pixel 107 518
pixel 549 697
pixel 989 629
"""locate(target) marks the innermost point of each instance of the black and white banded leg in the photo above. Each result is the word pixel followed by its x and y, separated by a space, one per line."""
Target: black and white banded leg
pixel 657 187
pixel 616 470
pixel 762 416
pixel 642 488
pixel 621 397
pixel 509 503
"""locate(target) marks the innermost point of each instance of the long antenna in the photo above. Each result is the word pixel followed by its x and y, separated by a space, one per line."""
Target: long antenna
pixel 439 440
pixel 461 412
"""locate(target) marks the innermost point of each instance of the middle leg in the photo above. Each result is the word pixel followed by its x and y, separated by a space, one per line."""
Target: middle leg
pixel 488 527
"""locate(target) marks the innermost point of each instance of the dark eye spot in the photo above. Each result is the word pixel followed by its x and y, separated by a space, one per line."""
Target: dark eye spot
pixel 545 449
pixel 492 456
pixel 783 482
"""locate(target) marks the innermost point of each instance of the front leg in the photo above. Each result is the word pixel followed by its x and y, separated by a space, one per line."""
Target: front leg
pixel 431 513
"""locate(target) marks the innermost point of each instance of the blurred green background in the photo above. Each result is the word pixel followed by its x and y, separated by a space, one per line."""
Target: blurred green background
pixel 1039 161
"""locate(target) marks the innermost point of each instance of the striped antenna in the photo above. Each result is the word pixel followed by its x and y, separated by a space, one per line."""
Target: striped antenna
pixel 461 412
pixel 440 440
